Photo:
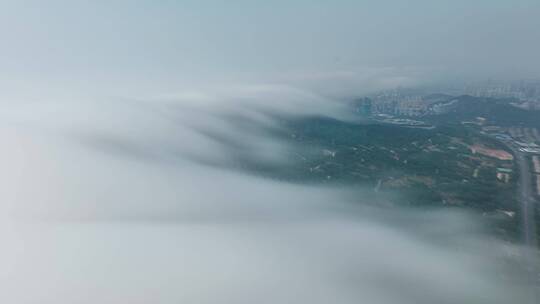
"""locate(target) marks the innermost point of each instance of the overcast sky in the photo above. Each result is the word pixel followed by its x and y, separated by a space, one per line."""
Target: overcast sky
pixel 152 47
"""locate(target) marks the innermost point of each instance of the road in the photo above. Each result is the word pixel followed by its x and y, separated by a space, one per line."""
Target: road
pixel 528 224
pixel 527 200
pixel 526 196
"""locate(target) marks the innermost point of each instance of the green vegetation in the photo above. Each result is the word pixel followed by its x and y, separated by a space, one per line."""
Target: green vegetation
pixel 423 167
pixel 413 166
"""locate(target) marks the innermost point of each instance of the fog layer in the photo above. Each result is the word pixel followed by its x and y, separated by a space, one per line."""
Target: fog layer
pixel 108 201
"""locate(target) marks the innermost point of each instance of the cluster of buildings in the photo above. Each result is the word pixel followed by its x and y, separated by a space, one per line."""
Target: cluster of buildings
pixel 525 92
pixel 415 103
pixel 528 147
pixel 397 104
pixel 526 140
pixel 401 103
pixel 503 174
pixel 524 143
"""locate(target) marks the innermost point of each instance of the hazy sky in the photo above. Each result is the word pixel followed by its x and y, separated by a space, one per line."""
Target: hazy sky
pixel 151 47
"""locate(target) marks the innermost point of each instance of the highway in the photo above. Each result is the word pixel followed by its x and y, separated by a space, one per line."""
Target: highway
pixel 527 203
pixel 527 200
pixel 526 195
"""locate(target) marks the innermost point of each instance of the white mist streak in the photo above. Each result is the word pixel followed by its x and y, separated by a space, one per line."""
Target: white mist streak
pixel 100 205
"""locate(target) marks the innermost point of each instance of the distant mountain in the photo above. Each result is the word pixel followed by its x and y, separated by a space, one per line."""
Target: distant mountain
pixel 437 98
pixel 448 109
pixel 496 111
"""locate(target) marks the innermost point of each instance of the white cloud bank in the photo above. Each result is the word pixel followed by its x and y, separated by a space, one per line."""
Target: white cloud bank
pixel 101 203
